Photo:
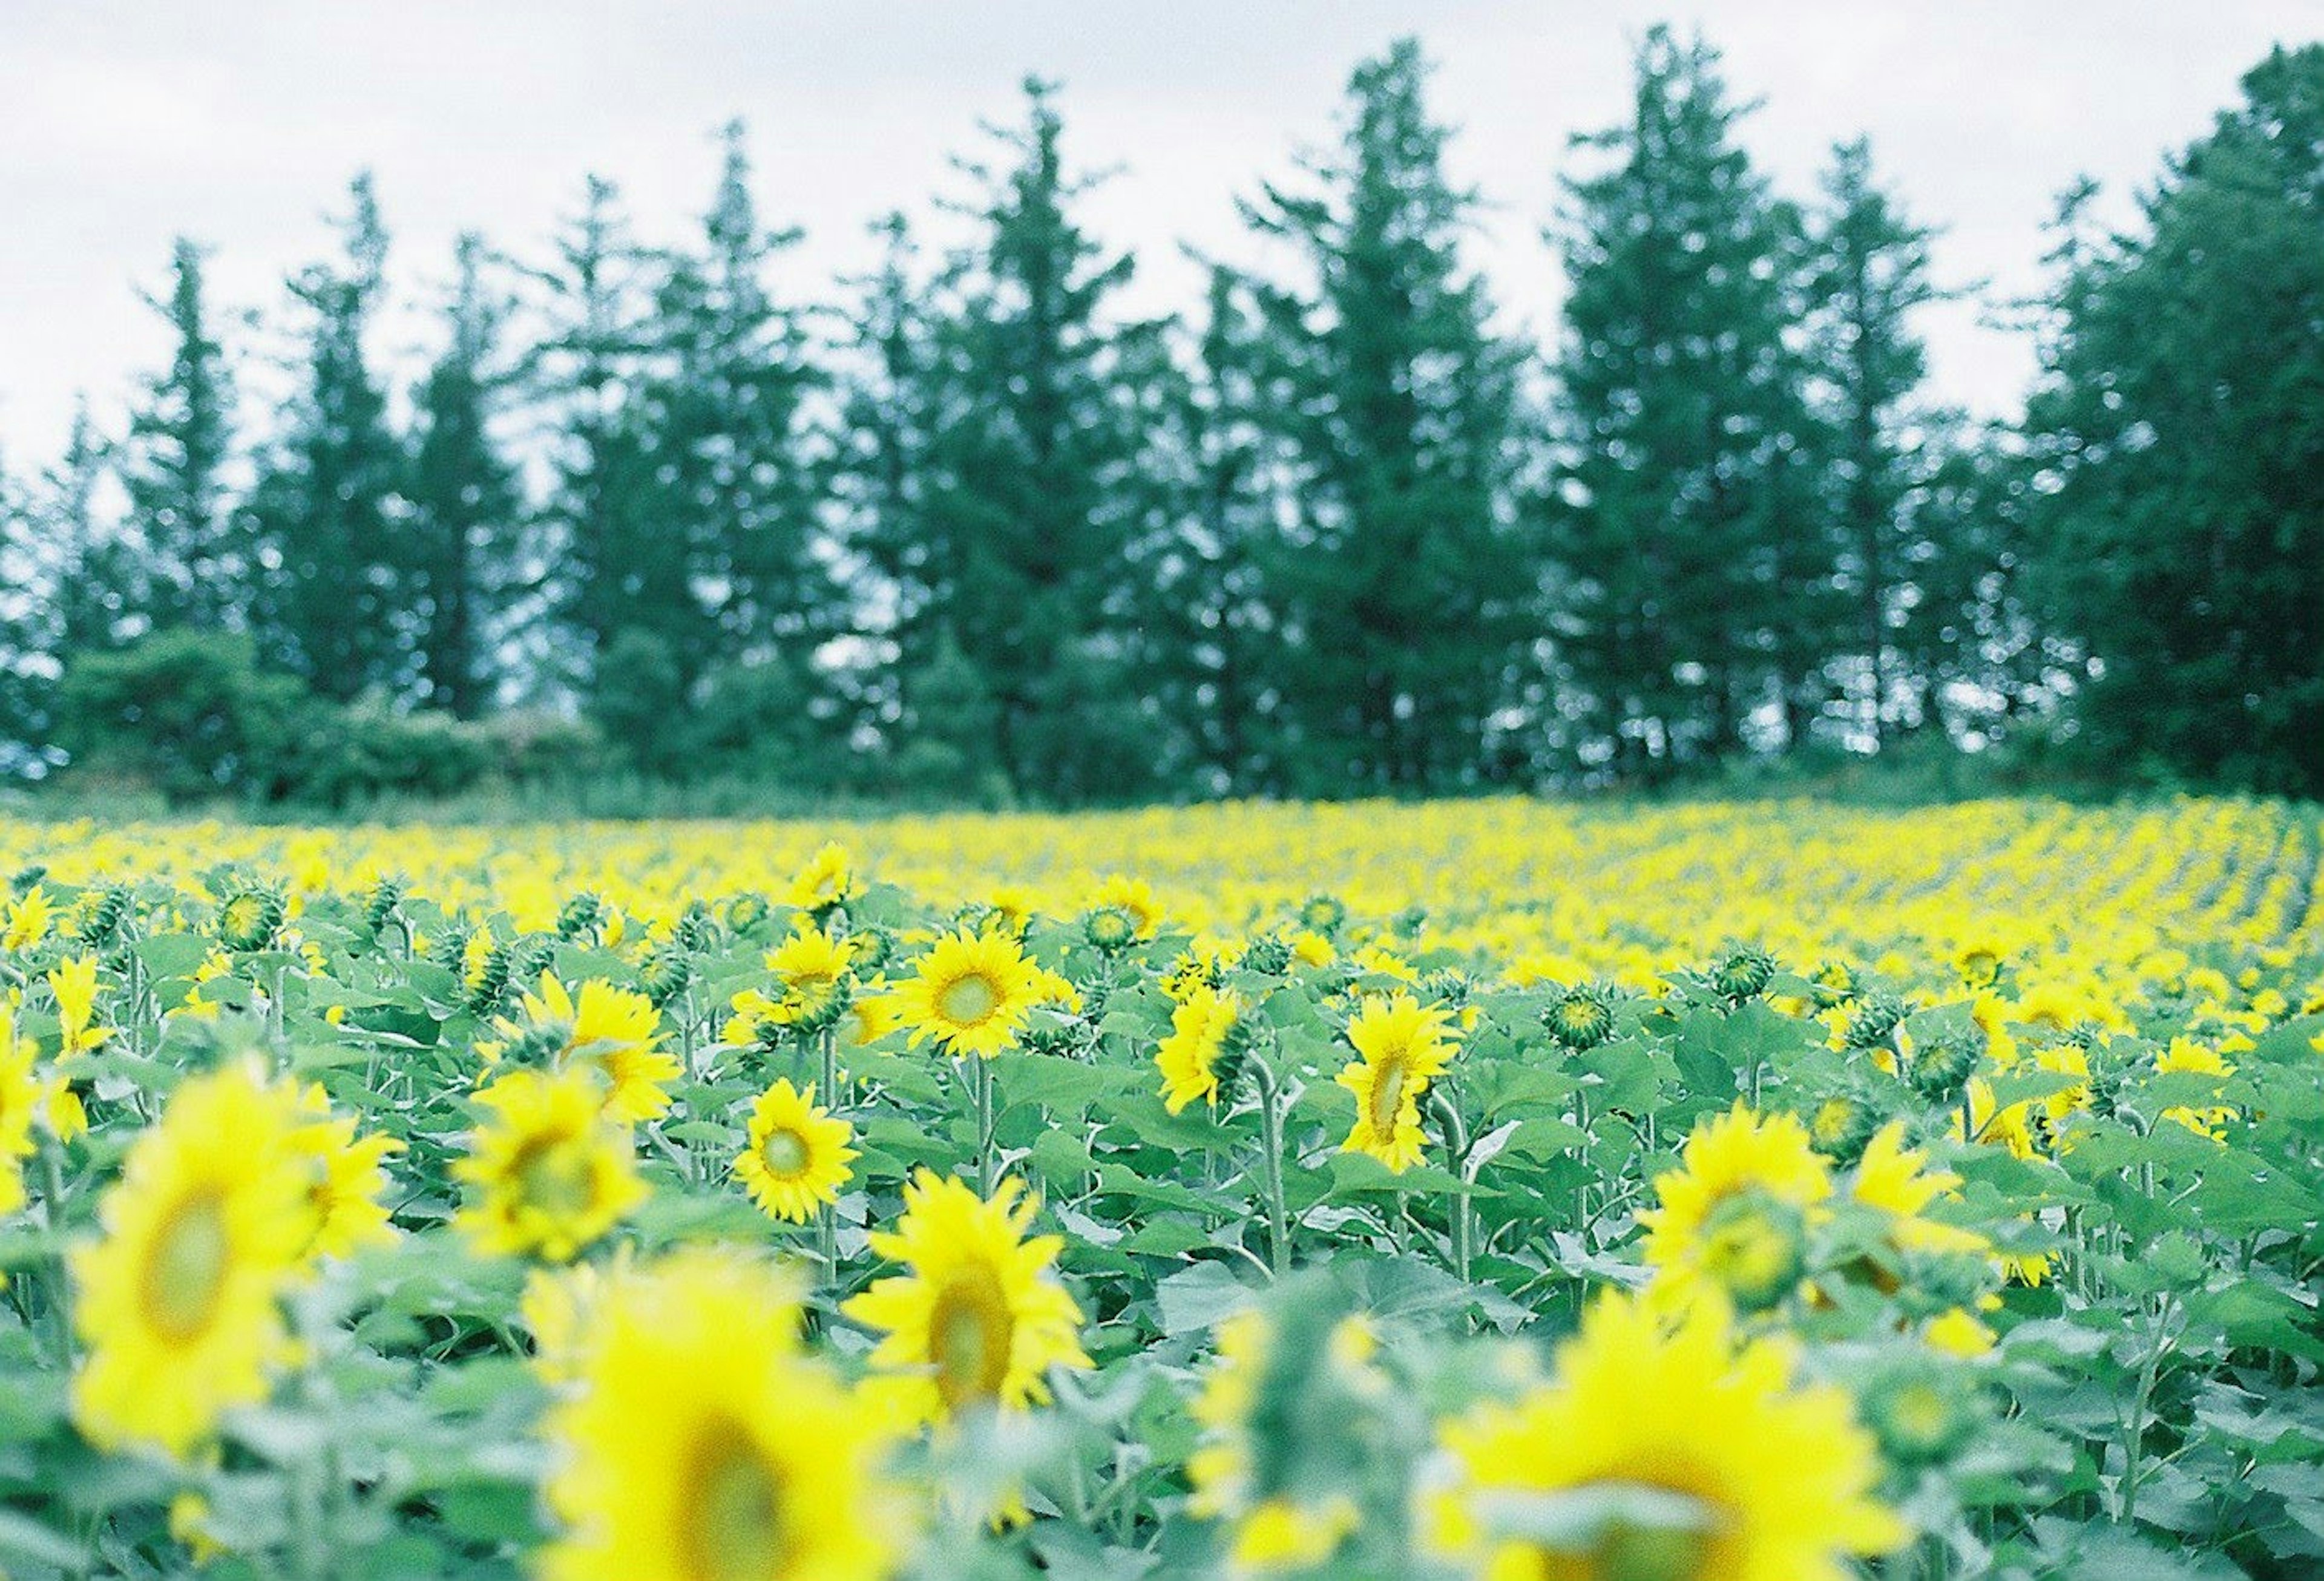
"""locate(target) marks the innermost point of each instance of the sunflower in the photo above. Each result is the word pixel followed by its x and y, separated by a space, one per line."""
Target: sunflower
pixel 179 1302
pixel 979 1319
pixel 552 1172
pixel 704 1444
pixel 827 880
pixel 615 1029
pixel 971 992
pixel 24 1098
pixel 347 1176
pixel 1891 1178
pixel 1134 898
pixel 1189 1058
pixel 810 970
pixel 73 981
pixel 1402 1046
pixel 561 1308
pixel 27 920
pixel 1734 1213
pixel 1701 1459
pixel 1274 1527
pixel 798 1154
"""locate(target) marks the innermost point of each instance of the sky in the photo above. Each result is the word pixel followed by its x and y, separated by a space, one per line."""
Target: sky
pixel 123 123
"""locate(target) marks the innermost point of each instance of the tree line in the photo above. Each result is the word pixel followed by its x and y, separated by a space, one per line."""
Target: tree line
pixel 971 527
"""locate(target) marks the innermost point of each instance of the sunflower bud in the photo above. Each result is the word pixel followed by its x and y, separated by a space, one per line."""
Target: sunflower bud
pixel 1876 1016
pixel 1755 1246
pixel 1842 1125
pixel 1919 1414
pixel 665 974
pixel 1583 1017
pixel 1268 954
pixel 582 916
pixel 250 919
pixel 379 905
pixel 492 980
pixel 696 929
pixel 1744 974
pixel 1943 1067
pixel 111 913
pixel 1110 929
pixel 451 952
pixel 1323 914
pixel 745 911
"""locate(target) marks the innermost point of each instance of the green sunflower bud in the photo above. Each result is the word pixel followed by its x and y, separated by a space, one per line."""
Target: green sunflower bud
pixel 582 916
pixel 1744 974
pixel 1583 1017
pixel 250 919
pixel 1110 929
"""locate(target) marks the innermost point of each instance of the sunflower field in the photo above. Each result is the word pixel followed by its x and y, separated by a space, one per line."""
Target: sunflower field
pixel 1701 1192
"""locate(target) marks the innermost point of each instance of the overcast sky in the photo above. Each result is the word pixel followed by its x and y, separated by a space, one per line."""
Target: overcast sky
pixel 125 121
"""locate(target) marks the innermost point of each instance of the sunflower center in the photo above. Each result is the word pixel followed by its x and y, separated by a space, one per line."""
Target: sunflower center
pixel 736 1530
pixel 1388 1083
pixel 968 1000
pixel 971 1331
pixel 555 1177
pixel 186 1273
pixel 1625 1552
pixel 785 1151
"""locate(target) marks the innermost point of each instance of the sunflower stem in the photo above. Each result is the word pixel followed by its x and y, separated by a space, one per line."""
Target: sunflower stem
pixel 1456 1143
pixel 1270 1164
pixel 986 1171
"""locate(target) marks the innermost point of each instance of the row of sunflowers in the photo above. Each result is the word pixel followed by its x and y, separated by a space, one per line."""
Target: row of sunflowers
pixel 1484 1189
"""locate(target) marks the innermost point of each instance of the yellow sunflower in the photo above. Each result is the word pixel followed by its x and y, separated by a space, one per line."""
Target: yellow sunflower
pixel 1705 1461
pixel 561 1308
pixel 551 1172
pixel 1134 898
pixel 24 1098
pixel 969 992
pixel 179 1302
pixel 1189 1058
pixel 798 1154
pixel 27 920
pixel 979 1319
pixel 1402 1044
pixel 809 969
pixel 704 1444
pixel 1272 1528
pixel 827 880
pixel 1734 1213
pixel 346 1176
pixel 1891 1177
pixel 73 981
pixel 615 1029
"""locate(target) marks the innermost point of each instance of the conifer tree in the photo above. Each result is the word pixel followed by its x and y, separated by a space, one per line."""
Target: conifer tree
pixel 1402 584
pixel 326 509
pixel 466 509
pixel 1868 274
pixel 599 548
pixel 173 466
pixel 1032 481
pixel 736 484
pixel 2177 503
pixel 1691 533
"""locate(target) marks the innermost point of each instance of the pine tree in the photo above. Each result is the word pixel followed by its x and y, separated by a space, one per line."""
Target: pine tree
pixel 2178 504
pixel 1208 625
pixel 737 489
pixel 327 508
pixel 181 440
pixel 600 545
pixel 466 509
pixel 1868 275
pixel 91 582
pixel 1031 485
pixel 1402 585
pixel 1691 533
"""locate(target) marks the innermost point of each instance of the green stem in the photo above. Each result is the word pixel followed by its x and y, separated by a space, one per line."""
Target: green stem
pixel 987 1173
pixel 1456 1143
pixel 1271 1167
